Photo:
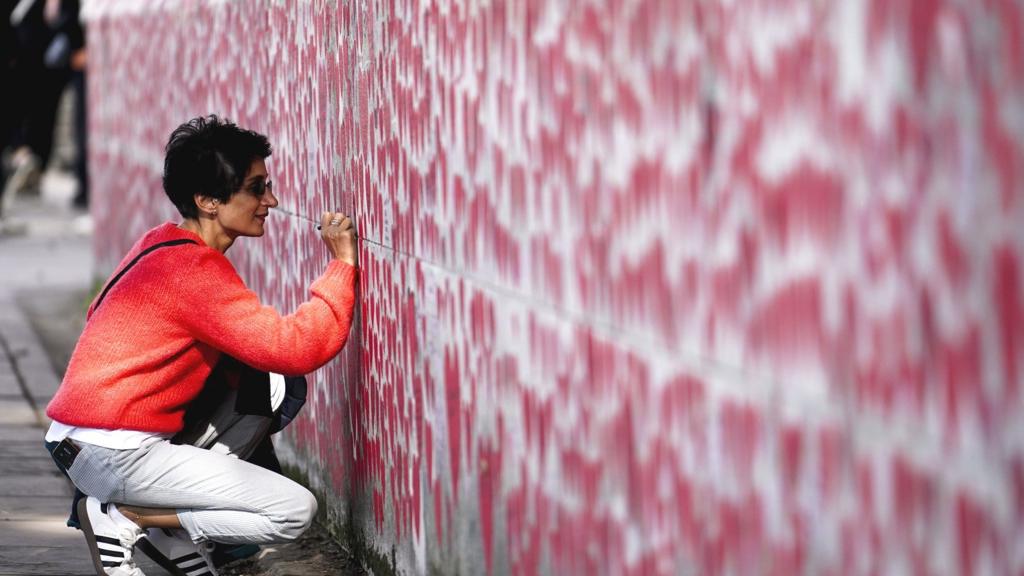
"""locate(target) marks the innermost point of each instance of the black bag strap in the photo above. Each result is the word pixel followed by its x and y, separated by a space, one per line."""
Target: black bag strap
pixel 134 261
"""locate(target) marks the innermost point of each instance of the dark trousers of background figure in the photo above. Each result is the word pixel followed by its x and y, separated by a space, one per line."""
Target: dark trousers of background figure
pixel 218 428
pixel 28 122
pixel 39 91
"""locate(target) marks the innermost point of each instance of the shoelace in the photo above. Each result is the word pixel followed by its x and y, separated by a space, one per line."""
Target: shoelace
pixel 128 539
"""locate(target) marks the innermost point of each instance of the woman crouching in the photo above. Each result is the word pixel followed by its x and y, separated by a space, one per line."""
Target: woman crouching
pixel 152 339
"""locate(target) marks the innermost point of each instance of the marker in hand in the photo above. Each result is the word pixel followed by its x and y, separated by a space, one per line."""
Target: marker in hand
pixel 319 227
pixel 339 234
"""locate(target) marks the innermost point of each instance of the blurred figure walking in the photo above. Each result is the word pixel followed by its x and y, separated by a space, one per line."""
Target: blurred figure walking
pixel 48 44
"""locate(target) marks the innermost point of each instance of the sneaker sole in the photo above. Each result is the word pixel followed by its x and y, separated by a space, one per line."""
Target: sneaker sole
pixel 147 548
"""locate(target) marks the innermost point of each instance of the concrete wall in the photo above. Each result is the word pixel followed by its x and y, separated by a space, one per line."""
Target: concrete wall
pixel 648 286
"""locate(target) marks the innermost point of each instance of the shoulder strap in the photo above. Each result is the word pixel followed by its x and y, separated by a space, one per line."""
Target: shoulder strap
pixel 134 261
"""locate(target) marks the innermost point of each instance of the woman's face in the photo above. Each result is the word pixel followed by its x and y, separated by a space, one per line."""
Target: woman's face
pixel 246 210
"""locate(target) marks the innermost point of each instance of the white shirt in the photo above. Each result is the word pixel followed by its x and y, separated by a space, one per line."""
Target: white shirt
pixel 122 439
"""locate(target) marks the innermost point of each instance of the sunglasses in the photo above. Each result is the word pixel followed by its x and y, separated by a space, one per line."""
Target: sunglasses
pixel 261 187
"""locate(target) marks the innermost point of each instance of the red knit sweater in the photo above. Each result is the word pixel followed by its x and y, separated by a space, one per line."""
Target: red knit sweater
pixel 147 350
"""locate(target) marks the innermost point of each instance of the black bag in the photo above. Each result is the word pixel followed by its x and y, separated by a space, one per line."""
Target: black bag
pixel 253 394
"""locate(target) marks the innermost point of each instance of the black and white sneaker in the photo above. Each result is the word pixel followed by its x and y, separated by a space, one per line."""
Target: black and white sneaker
pixel 111 538
pixel 174 551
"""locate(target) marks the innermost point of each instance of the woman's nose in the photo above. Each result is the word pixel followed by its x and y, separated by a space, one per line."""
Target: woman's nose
pixel 269 199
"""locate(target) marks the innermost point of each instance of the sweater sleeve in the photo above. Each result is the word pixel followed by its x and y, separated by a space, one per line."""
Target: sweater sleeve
pixel 219 310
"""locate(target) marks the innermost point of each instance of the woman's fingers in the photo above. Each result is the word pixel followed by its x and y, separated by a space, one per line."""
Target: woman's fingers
pixel 336 220
pixel 338 232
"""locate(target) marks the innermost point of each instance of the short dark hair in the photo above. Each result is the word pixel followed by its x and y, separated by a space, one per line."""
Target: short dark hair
pixel 210 157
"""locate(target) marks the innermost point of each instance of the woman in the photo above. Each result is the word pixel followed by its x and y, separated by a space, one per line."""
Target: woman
pixel 151 340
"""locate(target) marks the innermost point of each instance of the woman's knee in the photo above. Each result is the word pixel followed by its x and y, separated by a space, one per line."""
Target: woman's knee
pixel 299 516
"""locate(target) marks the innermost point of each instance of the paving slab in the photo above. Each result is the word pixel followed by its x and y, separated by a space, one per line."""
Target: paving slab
pixel 18 413
pixel 29 356
pixel 30 507
pixel 57 314
pixel 44 530
pixel 29 445
pixel 34 466
pixel 42 561
pixel 21 434
pixel 8 383
pixel 35 485
pixel 43 547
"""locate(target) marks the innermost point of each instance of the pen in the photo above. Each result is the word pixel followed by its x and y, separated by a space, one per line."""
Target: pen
pixel 318 227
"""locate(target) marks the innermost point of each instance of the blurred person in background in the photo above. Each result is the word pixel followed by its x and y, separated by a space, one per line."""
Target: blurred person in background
pixel 8 50
pixel 48 44
pixel 152 342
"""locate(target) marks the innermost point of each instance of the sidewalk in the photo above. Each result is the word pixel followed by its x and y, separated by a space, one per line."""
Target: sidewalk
pixel 34 497
pixel 45 279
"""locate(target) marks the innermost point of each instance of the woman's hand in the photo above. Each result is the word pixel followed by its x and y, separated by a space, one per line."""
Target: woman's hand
pixel 339 234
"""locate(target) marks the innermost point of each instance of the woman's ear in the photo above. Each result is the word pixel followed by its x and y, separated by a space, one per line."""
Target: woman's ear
pixel 207 206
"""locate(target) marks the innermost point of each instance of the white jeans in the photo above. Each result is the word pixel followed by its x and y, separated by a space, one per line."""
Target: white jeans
pixel 218 496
